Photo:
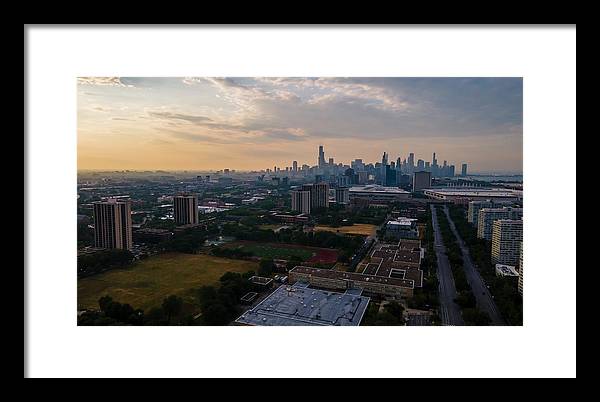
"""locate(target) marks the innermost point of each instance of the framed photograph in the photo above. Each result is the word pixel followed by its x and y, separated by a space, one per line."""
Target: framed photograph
pixel 274 185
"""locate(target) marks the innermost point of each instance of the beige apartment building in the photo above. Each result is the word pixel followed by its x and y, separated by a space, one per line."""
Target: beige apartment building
pixel 487 216
pixel 521 269
pixel 507 236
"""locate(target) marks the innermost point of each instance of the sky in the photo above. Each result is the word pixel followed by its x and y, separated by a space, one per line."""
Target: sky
pixel 200 123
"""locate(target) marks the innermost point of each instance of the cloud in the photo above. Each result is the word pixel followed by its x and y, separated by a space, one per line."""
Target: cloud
pixel 280 110
pixel 180 116
pixel 103 81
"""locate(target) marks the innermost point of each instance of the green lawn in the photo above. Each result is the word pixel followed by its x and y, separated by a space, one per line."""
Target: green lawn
pixel 277 252
pixel 149 281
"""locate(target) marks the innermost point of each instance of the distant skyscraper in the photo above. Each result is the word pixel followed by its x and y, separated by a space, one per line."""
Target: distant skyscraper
pixel 185 209
pixel 295 166
pixel 421 181
pixel 420 165
pixel 112 224
pixel 463 171
pixel 384 164
pixel 363 177
pixel 321 157
pixel 390 177
pixel 330 161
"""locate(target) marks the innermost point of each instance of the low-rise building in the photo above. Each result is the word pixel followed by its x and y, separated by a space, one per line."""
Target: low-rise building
pixel 330 279
pixel 286 218
pixel 261 281
pixel 506 270
pixel 150 235
pixel 301 305
pixel 402 228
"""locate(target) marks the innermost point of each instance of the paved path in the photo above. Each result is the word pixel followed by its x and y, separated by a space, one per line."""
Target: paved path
pixel 485 301
pixel 449 311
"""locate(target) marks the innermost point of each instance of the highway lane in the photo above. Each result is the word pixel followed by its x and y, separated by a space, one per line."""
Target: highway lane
pixel 485 301
pixel 449 311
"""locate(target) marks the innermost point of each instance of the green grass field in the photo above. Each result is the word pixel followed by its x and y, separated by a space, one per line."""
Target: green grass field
pixel 276 252
pixel 149 281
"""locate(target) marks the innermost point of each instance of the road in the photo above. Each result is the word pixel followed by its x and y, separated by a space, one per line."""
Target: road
pixel 449 310
pixel 485 301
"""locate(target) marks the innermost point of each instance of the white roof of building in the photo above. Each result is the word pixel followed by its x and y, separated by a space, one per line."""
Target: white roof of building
pixel 403 221
pixel 480 192
pixel 506 270
pixel 375 188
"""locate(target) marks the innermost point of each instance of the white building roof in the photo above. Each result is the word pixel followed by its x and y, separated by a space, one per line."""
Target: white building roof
pixel 377 189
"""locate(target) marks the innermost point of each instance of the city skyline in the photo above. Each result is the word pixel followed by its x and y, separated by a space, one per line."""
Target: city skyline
pixel 249 124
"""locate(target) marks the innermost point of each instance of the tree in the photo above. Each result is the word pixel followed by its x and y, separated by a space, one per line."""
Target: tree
pixel 215 314
pixel 206 294
pixel 266 267
pixel 104 302
pixel 172 306
pixel 395 309
pixel 156 316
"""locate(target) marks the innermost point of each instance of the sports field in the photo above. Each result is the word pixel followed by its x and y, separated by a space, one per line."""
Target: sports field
pixel 149 281
pixel 356 229
pixel 278 251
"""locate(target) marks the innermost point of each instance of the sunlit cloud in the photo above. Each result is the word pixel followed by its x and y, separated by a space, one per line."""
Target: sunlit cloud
pixel 292 114
pixel 103 81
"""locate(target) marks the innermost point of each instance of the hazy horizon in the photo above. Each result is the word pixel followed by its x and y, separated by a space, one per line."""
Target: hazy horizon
pixel 251 124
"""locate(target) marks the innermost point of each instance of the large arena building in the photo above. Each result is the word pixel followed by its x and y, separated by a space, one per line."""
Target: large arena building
pixel 301 305
pixel 377 193
pixel 465 195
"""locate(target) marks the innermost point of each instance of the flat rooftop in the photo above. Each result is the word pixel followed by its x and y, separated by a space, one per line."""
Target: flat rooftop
pixel 377 189
pixel 408 244
pixel 301 305
pixel 353 276
pixel 260 280
pixel 474 192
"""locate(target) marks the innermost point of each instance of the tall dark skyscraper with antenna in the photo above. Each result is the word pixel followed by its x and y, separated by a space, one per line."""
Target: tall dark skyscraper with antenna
pixel 321 157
